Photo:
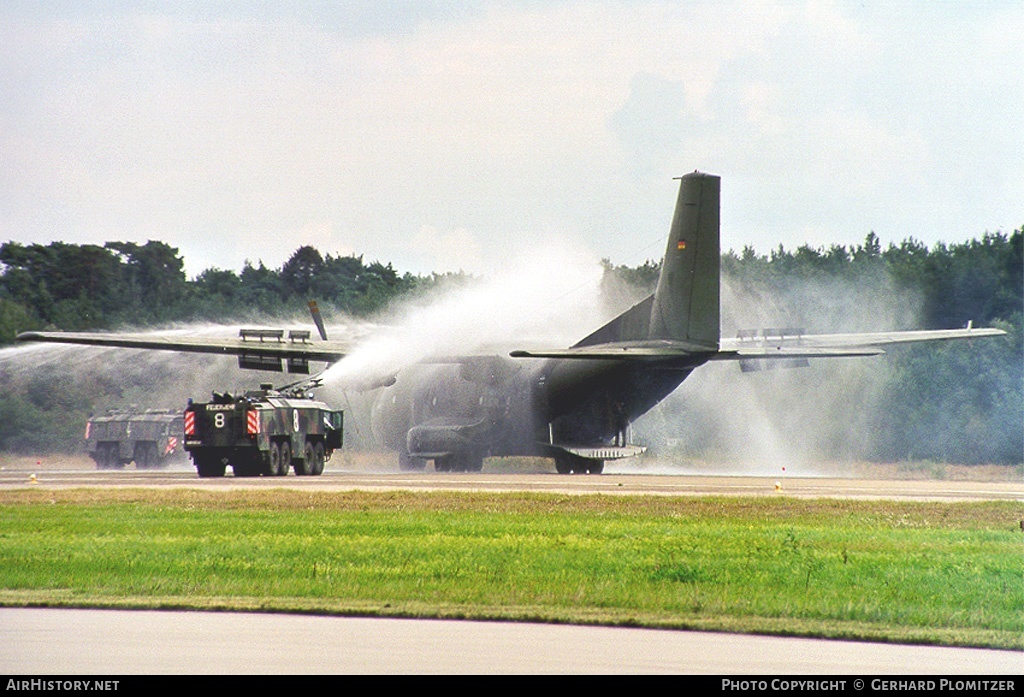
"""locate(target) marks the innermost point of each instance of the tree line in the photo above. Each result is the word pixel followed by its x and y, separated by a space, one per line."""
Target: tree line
pixel 88 287
pixel 956 403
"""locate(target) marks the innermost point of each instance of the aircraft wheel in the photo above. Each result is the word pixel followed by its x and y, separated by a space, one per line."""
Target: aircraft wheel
pixel 567 463
pixel 319 458
pixel 460 462
pixel 408 463
pixel 580 465
pixel 563 463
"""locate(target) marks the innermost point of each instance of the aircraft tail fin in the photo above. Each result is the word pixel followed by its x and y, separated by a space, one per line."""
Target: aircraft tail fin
pixel 685 306
pixel 631 325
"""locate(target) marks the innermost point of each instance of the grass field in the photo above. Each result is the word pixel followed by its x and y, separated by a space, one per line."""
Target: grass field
pixel 918 572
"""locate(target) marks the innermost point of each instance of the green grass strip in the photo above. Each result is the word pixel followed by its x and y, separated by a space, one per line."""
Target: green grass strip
pixel 920 572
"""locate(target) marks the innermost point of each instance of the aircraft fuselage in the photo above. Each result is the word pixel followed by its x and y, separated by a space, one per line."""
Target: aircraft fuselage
pixel 458 413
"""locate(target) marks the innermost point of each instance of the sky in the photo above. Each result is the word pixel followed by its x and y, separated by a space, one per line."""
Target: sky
pixel 445 136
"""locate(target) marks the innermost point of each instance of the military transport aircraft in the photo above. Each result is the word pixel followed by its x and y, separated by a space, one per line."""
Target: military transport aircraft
pixel 571 404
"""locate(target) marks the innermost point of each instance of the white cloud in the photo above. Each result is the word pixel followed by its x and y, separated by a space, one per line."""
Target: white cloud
pixel 235 136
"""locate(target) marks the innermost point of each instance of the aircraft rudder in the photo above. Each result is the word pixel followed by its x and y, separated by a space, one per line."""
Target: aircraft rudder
pixel 687 300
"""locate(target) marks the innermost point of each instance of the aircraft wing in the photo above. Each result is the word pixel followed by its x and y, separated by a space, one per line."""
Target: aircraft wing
pixel 766 347
pixel 691 355
pixel 274 346
pixel 822 345
pixel 267 345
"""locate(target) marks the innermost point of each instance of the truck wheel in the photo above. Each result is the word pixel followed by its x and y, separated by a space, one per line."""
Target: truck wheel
pixel 319 458
pixel 142 457
pixel 115 461
pixel 278 466
pixel 102 457
pixel 154 455
pixel 305 465
pixel 242 466
pixel 263 464
pixel 208 466
pixel 286 458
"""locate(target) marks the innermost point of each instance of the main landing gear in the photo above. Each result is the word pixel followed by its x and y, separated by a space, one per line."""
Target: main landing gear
pixel 567 463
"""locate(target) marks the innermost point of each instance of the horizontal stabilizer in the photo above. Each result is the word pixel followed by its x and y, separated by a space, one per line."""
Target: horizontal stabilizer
pixel 794 344
pixel 631 325
pixel 680 352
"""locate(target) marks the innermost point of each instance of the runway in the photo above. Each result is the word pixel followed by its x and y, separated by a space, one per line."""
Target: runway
pixel 59 474
pixel 111 642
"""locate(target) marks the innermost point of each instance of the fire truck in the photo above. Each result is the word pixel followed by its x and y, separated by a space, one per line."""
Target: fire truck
pixel 264 432
pixel 150 438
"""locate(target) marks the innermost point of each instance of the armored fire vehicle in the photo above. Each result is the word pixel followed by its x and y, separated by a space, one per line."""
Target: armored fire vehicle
pixel 150 438
pixel 264 432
